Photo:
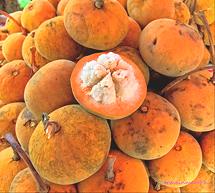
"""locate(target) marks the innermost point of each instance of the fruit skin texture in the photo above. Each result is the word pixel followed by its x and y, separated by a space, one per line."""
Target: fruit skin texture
pixel 76 152
pixel 31 56
pixel 205 182
pixel 178 166
pixel 100 29
pixel 162 189
pixel 14 77
pixel 134 55
pixel 33 14
pixel 206 58
pixel 11 26
pixel 132 37
pixel 130 176
pixel 53 42
pixel 207 143
pixel 25 125
pixel 24 182
pixel 8 168
pixel 114 111
pixel 61 7
pixel 12 46
pixel 146 11
pixel 123 3
pixel 49 88
pixel 182 13
pixel 54 2
pixel 138 134
pixel 3 35
pixel 194 99
pixel 161 44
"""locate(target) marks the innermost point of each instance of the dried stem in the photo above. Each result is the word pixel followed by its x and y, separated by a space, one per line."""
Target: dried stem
pixel 99 4
pixel 110 169
pixel 33 59
pixel 43 188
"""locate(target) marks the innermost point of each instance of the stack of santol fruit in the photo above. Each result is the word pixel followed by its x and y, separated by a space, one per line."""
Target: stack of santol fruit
pixel 73 92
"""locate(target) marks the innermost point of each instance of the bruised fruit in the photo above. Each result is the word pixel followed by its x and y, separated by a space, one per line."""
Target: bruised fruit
pixel 61 7
pixel 182 13
pixel 35 13
pixel 138 134
pixel 120 173
pixel 161 44
pixel 24 182
pixel 207 143
pixel 70 145
pixel 99 24
pixel 49 88
pixel 133 55
pixel 25 125
pixel 53 42
pixel 146 11
pixel 12 46
pixel 14 77
pixel 133 35
pixel 11 26
pixel 204 182
pixel 108 85
pixel 180 166
pixel 30 54
pixel 9 167
pixel 194 99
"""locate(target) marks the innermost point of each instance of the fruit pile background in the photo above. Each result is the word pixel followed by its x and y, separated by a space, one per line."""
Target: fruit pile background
pixel 107 96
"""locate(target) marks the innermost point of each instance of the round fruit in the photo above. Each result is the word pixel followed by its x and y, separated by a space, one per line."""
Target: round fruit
pixel 182 12
pixel 12 46
pixel 207 143
pixel 194 98
pixel 61 7
pixel 133 55
pixel 24 182
pixel 8 168
pixel 99 24
pixel 14 77
pixel 108 85
pixel 146 11
pixel 30 54
pixel 138 134
pixel 49 88
pixel 25 125
pixel 75 148
pixel 53 42
pixel 36 12
pixel 178 168
pixel 160 46
pixel 11 26
pixel 120 173
pixel 204 182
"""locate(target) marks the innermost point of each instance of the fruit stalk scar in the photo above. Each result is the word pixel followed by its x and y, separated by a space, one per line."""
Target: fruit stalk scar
pixel 17 148
pixel 99 4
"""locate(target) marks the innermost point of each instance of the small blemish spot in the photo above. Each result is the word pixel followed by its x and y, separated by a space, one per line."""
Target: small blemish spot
pixel 178 148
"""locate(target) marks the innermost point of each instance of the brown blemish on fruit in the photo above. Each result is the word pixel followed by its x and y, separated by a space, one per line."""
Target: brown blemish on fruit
pixel 15 73
pixel 178 148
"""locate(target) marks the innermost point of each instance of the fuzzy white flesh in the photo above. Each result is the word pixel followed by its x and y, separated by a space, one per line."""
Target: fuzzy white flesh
pixel 111 79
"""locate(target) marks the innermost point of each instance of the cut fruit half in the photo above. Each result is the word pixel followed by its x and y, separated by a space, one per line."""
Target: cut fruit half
pixel 108 85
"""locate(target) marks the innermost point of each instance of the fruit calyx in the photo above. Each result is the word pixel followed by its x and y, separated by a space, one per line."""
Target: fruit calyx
pixel 99 4
pixel 110 175
pixel 50 127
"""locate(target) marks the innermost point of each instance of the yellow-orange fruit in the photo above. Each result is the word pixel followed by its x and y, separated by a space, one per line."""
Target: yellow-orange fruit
pixel 25 125
pixel 194 98
pixel 106 26
pixel 1 56
pixel 24 182
pixel 133 35
pixel 76 151
pixel 49 88
pixel 205 34
pixel 206 58
pixel 8 168
pixel 204 182
pixel 134 55
pixel 53 42
pixel 178 168
pixel 11 26
pixel 14 77
pixel 54 2
pixel 208 7
pixel 61 7
pixel 138 135
pixel 12 46
pixel 129 176
pixel 146 11
pixel 161 44
pixel 30 54
pixel 182 12
pixel 207 143
pixel 123 3
pixel 3 35
pixel 35 13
